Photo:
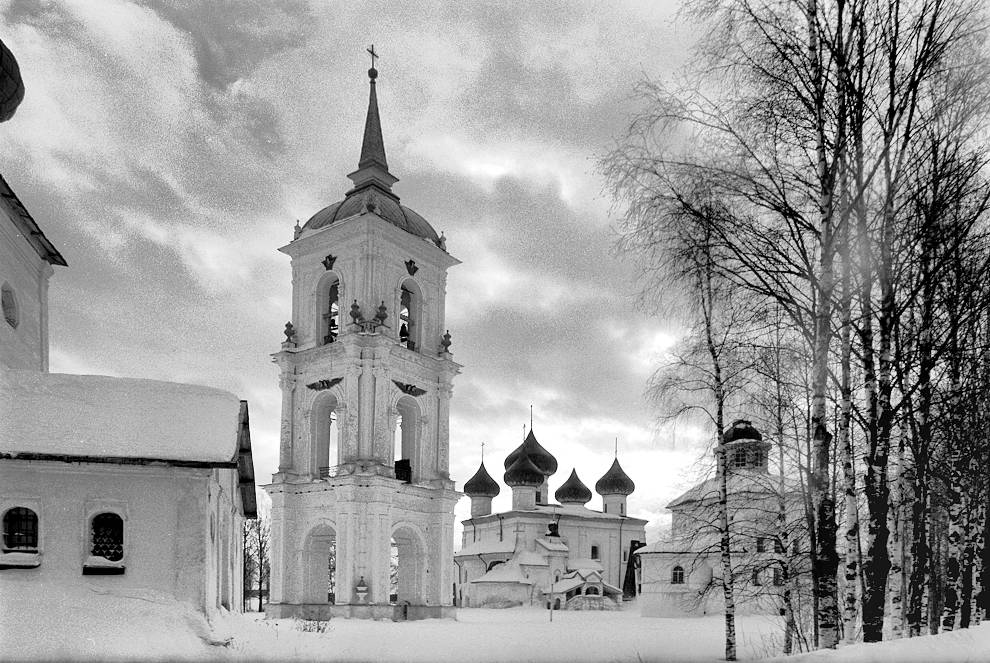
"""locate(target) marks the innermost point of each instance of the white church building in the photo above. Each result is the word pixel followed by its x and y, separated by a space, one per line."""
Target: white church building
pixel 366 376
pixel 680 575
pixel 561 555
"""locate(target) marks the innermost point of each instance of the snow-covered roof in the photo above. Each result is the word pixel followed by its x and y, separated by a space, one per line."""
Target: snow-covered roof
pixel 562 510
pixel 554 544
pixel 487 548
pixel 740 481
pixel 583 564
pixel 505 573
pixel 100 416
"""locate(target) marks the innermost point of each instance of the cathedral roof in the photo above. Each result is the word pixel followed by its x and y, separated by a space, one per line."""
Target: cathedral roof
pixel 481 484
pixel 741 429
pixel 542 458
pixel 573 491
pixel 615 481
pixel 373 182
pixel 523 472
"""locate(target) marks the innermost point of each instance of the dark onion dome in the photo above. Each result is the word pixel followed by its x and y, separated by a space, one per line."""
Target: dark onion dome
pixel 615 482
pixel 542 458
pixel 523 473
pixel 481 484
pixel 741 429
pixel 11 84
pixel 573 491
pixel 384 205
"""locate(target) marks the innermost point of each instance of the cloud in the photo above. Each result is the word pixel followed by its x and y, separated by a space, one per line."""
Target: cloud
pixel 167 149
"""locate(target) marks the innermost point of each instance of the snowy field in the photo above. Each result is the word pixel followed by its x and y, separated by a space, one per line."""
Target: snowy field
pixel 100 627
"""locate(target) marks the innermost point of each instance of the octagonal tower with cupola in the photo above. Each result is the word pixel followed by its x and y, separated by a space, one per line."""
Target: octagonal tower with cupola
pixel 366 376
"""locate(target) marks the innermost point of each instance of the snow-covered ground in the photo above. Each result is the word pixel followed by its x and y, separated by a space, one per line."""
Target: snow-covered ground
pixel 94 626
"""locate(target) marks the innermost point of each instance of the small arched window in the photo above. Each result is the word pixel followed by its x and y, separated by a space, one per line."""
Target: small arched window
pixel 9 303
pixel 677 575
pixel 331 311
pixel 594 552
pixel 20 530
pixel 107 537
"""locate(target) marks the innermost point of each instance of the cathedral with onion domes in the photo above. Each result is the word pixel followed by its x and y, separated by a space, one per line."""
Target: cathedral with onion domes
pixel 560 554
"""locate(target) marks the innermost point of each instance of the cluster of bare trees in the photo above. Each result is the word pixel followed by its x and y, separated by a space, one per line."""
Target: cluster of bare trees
pixel 819 185
pixel 257 559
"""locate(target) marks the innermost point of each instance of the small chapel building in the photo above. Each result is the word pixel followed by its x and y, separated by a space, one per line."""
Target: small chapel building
pixel 561 555
pixel 362 502
pixel 111 489
pixel 680 575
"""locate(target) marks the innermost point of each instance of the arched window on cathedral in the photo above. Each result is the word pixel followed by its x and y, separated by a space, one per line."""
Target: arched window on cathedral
pixel 677 575
pixel 331 309
pixel 325 435
pixel 410 314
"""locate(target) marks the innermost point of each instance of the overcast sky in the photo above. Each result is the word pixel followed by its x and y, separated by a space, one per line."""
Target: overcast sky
pixel 167 149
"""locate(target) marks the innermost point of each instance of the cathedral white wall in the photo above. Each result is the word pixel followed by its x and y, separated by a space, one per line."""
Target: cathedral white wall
pixel 26 346
pixel 170 546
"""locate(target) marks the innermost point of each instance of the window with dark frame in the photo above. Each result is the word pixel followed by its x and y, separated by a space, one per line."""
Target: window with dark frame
pixel 20 530
pixel 756 577
pixel 778 577
pixel 761 544
pixel 739 458
pixel 677 575
pixel 108 537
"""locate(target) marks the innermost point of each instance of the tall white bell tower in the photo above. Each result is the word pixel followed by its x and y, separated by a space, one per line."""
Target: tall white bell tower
pixel 366 376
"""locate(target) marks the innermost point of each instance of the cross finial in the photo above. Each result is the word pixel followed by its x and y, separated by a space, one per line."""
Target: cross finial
pixel 531 416
pixel 374 56
pixel 482 452
pixel 617 447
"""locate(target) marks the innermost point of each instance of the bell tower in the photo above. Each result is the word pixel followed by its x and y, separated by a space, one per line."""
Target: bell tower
pixel 366 376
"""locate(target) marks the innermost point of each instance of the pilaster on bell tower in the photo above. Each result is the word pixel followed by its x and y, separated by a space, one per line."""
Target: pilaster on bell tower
pixel 366 375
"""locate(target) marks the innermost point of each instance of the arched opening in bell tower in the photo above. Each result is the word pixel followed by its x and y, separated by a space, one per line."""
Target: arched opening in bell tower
pixel 329 297
pixel 319 556
pixel 406 440
pixel 407 566
pixel 410 314
pixel 325 435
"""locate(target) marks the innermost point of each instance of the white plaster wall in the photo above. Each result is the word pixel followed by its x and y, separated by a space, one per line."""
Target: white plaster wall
pixel 166 525
pixel 25 347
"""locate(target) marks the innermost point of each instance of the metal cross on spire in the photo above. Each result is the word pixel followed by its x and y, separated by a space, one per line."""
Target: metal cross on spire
pixel 482 452
pixel 531 416
pixel 374 56
pixel 617 447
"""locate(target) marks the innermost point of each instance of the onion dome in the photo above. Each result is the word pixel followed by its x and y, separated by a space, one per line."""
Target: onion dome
pixel 741 429
pixel 373 182
pixel 481 484
pixel 573 491
pixel 11 84
pixel 615 482
pixel 523 472
pixel 542 458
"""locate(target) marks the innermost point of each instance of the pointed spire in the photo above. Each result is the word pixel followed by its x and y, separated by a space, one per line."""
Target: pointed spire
pixel 372 166
pixel 373 147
